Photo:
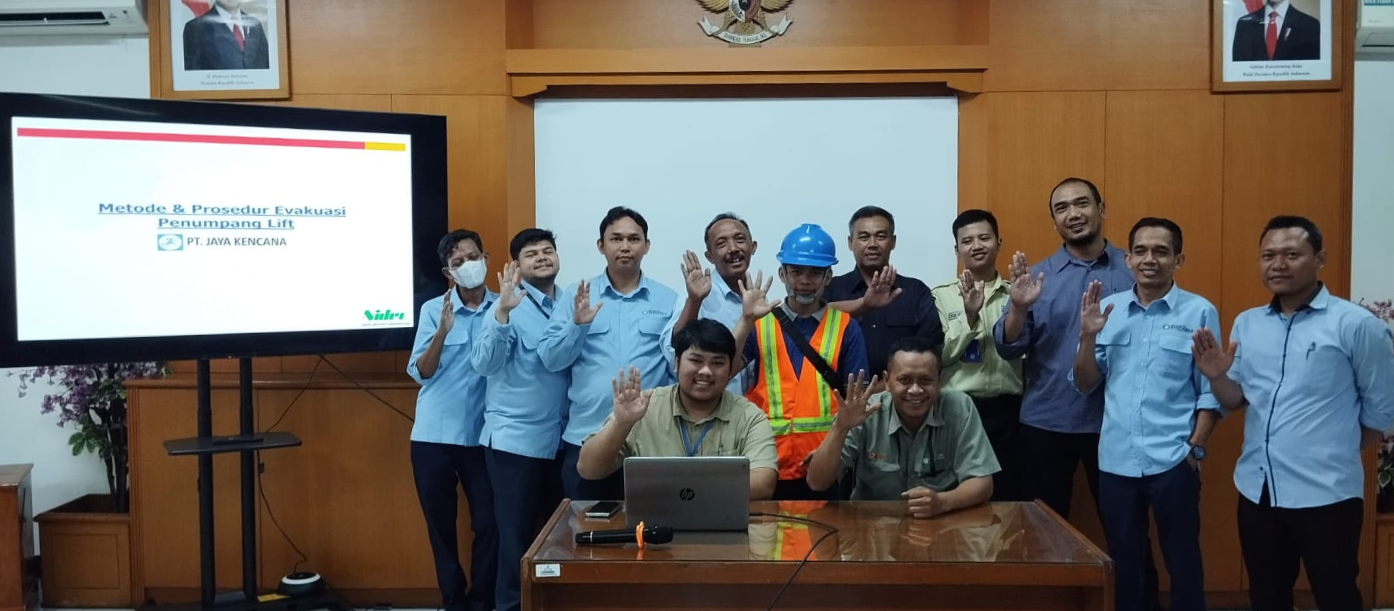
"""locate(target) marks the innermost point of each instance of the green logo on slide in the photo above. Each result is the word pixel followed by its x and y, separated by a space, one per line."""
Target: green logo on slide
pixel 376 315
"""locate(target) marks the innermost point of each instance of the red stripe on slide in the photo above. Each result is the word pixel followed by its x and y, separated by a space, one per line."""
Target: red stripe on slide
pixel 86 134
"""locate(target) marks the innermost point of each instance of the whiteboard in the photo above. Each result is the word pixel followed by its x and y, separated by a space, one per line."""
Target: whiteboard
pixel 777 163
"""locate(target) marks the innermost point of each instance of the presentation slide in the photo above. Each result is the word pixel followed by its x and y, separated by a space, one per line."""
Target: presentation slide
pixel 137 229
pixel 776 162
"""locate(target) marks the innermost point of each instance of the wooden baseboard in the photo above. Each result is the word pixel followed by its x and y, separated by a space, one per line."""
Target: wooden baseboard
pixel 356 597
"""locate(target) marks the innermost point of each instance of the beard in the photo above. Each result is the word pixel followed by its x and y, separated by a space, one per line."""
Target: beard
pixel 1083 240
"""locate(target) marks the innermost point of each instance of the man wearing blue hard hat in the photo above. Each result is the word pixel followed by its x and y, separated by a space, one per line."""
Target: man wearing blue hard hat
pixel 803 353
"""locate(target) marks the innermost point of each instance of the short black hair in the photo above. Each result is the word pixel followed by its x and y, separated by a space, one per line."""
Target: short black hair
pixel 1288 221
pixel 918 345
pixel 707 335
pixel 448 243
pixel 968 217
pixel 619 212
pixel 724 216
pixel 1152 221
pixel 1093 190
pixel 528 237
pixel 866 212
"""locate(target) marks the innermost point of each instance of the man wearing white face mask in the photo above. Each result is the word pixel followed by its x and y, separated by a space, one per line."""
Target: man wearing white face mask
pixel 445 445
pixel 804 352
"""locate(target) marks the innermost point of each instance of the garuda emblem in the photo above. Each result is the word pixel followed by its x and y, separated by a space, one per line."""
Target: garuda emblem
pixel 745 21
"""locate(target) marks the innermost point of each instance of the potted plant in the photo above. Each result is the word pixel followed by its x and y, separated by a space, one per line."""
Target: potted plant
pixel 1384 470
pixel 92 398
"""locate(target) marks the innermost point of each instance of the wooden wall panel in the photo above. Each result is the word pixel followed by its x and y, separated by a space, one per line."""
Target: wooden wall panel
pixel 346 496
pixel 417 47
pixel 590 24
pixel 1099 45
pixel 477 144
pixel 1272 168
pixel 973 130
pixel 1034 141
pixel 164 492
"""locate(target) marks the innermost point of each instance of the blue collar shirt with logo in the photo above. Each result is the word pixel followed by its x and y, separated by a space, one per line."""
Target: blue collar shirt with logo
pixel 1312 380
pixel 1152 387
pixel 625 333
pixel 525 405
pixel 450 405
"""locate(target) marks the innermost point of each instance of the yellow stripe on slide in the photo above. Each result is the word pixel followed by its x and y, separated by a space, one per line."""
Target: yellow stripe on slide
pixel 384 146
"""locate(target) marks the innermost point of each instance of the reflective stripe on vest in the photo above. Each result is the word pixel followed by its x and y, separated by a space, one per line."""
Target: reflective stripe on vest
pixel 771 355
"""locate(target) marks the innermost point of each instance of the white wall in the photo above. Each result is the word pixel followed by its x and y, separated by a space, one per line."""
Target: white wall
pixel 1372 190
pixel 99 66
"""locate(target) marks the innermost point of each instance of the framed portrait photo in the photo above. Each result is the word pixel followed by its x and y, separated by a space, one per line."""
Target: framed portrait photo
pixel 224 49
pixel 1276 45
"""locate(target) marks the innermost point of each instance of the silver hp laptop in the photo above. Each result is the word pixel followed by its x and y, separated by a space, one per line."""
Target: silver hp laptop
pixel 698 493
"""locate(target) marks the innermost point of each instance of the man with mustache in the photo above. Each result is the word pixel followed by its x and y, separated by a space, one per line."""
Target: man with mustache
pixel 888 306
pixel 525 403
pixel 968 308
pixel 1158 415
pixel 911 442
pixel 1316 373
pixel 801 350
pixel 445 449
pixel 718 297
pixel 592 342
pixel 695 417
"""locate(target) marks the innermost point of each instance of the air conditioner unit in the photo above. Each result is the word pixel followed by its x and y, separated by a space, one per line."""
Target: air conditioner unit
pixel 67 17
pixel 1375 28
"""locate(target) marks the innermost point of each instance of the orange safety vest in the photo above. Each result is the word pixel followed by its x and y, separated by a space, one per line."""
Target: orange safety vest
pixel 800 408
pixel 793 539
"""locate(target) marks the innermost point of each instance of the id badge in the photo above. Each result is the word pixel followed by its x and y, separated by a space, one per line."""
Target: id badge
pixel 973 354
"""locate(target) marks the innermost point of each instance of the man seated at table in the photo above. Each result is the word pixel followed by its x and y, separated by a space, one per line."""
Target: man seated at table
pixel 695 417
pixel 911 441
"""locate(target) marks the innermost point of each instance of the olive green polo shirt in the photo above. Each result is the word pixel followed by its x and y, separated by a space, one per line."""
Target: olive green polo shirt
pixel 737 428
pixel 971 363
pixel 888 459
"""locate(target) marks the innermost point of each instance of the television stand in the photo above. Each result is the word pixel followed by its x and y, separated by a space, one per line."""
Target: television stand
pixel 247 442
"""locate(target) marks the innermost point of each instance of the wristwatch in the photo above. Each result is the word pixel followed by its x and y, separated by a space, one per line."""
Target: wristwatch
pixel 1198 452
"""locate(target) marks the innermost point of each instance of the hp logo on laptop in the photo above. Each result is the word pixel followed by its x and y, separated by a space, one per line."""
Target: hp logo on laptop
pixel 686 494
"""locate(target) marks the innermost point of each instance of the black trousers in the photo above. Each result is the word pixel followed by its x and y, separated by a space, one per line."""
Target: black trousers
pixel 526 490
pixel 438 470
pixel 1001 418
pixel 798 490
pixel 1173 497
pixel 1049 460
pixel 1325 539
pixel 578 488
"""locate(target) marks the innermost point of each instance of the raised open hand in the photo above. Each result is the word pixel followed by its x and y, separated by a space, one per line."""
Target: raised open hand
pixel 853 406
pixel 881 292
pixel 585 312
pixel 630 403
pixel 972 291
pixel 698 280
pixel 1091 320
pixel 1213 360
pixel 1025 289
pixel 754 305
pixel 447 311
pixel 510 287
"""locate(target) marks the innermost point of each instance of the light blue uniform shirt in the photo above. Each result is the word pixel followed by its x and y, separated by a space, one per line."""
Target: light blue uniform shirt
pixel 625 333
pixel 1311 380
pixel 723 304
pixel 525 405
pixel 450 406
pixel 1152 387
pixel 1050 339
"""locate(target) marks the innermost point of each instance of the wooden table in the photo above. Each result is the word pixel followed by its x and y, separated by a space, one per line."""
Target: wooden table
pixel 17 580
pixel 997 556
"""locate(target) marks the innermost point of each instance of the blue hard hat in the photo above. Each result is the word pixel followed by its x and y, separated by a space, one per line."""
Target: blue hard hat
pixel 809 246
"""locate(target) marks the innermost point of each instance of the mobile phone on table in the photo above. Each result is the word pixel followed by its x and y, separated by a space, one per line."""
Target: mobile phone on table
pixel 603 510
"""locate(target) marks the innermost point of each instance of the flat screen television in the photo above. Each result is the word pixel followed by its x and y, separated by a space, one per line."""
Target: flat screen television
pixel 161 230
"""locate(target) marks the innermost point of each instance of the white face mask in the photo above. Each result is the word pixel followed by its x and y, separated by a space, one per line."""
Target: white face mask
pixel 808 300
pixel 470 274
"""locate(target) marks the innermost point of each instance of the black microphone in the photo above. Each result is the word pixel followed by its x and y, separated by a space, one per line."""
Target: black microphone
pixel 652 534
